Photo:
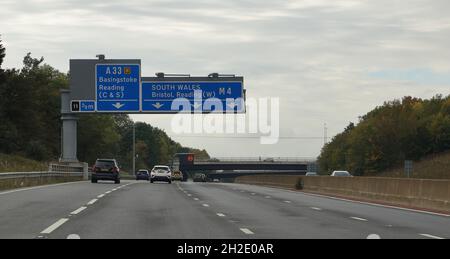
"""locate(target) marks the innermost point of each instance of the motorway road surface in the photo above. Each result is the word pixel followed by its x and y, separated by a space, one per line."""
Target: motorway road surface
pixel 201 210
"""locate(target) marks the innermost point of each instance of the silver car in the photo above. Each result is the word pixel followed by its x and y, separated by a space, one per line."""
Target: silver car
pixel 341 174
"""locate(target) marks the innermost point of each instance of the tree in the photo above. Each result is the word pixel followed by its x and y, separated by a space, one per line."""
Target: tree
pixel 410 128
pixel 2 54
pixel 30 122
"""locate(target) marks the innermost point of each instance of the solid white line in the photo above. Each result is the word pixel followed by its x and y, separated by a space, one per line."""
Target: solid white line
pixel 101 196
pixel 353 201
pixel 205 205
pixel 220 214
pixel 54 226
pixel 75 212
pixel 247 231
pixel 431 236
pixel 360 219
pixel 315 208
pixel 40 187
pixel 92 202
pixel 370 203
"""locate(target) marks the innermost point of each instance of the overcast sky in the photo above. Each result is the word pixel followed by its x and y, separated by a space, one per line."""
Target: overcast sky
pixel 329 61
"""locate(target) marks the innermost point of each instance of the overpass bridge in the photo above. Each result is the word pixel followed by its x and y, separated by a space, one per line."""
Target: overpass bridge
pixel 233 167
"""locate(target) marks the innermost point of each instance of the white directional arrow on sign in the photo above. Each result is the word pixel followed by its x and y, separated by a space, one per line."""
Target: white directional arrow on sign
pixel 158 105
pixel 197 105
pixel 118 105
pixel 232 105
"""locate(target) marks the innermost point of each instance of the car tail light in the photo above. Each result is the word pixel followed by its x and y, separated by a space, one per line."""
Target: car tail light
pixel 115 170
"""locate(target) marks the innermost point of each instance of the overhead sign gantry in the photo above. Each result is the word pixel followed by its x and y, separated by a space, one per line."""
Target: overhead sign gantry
pixel 117 86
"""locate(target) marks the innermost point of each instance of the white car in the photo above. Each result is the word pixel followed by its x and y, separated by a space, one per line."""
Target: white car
pixel 341 174
pixel 161 173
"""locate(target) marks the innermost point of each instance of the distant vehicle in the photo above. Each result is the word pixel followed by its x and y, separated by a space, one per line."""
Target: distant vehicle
pixel 311 174
pixel 161 173
pixel 177 176
pixel 341 174
pixel 200 178
pixel 269 160
pixel 105 169
pixel 143 174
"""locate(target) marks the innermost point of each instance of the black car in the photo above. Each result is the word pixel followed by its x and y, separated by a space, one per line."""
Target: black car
pixel 105 169
pixel 143 175
pixel 200 178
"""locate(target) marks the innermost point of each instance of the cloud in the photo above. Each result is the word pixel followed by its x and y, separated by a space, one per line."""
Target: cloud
pixel 327 61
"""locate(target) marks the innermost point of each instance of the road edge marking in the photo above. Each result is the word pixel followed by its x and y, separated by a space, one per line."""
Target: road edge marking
pixel 431 236
pixel 40 187
pixel 353 201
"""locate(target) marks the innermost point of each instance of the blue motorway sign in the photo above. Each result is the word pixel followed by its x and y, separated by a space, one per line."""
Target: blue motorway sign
pixel 117 87
pixel 83 106
pixel 212 96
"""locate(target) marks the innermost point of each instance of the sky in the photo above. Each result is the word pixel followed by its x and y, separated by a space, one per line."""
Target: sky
pixel 328 61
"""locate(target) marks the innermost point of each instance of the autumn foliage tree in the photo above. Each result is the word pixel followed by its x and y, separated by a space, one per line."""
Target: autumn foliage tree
pixel 406 129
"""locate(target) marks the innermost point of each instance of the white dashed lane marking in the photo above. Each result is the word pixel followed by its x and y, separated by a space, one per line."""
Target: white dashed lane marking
pixel 73 236
pixel 247 231
pixel 315 208
pixel 205 205
pixel 220 214
pixel 360 219
pixel 92 202
pixel 53 227
pixel 75 212
pixel 373 236
pixel 101 196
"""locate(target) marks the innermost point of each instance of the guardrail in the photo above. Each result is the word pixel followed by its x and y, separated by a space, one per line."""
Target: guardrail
pixel 66 168
pixel 57 173
pixel 39 174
